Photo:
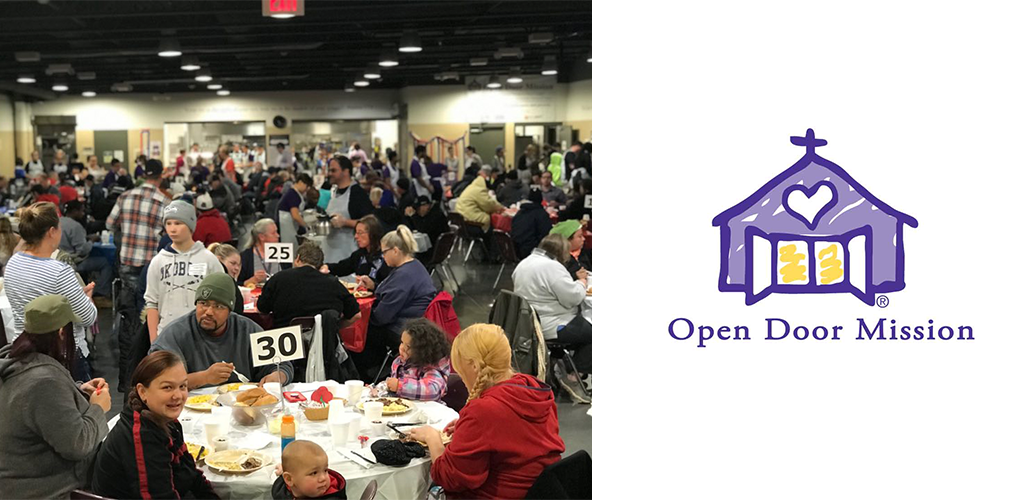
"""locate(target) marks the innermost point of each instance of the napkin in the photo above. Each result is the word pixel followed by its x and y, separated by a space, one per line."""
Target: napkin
pixel 347 455
pixel 256 440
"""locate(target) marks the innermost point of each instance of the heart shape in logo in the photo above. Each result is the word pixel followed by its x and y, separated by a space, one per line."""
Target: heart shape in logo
pixel 810 204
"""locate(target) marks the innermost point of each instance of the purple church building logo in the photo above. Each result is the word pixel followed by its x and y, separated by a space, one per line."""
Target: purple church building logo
pixel 812 229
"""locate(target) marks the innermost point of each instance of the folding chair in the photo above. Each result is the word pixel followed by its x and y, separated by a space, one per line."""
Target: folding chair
pixel 506 251
pixel 464 235
pixel 85 495
pixel 370 492
pixel 570 477
pixel 439 260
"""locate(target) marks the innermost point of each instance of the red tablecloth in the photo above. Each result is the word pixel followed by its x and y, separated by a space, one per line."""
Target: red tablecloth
pixel 354 336
pixel 503 222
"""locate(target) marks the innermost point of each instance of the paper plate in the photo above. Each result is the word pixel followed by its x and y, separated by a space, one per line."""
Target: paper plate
pixel 225 462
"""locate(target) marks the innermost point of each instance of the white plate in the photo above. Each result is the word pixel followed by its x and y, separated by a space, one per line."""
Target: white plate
pixel 228 456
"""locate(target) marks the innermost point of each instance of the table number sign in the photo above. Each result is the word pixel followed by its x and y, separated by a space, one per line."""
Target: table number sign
pixel 279 252
pixel 276 346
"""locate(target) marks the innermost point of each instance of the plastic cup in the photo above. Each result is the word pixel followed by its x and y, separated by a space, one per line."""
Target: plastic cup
pixel 355 424
pixel 355 389
pixel 340 432
pixel 188 423
pixel 374 410
pixel 377 427
pixel 273 388
pixel 214 429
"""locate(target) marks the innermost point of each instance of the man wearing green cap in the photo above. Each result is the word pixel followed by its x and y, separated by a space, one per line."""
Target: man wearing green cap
pixel 214 342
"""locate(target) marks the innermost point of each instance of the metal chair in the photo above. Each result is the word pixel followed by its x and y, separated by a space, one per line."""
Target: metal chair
pixel 370 492
pixel 464 235
pixel 570 477
pixel 439 260
pixel 560 350
pixel 506 251
pixel 85 495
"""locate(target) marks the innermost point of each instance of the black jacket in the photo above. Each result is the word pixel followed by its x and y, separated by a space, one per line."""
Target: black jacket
pixel 583 261
pixel 512 192
pixel 575 209
pixel 304 291
pixel 432 225
pixel 280 490
pixel 529 226
pixel 361 263
pixel 164 468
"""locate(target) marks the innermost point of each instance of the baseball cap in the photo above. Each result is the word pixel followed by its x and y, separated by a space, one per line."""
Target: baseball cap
pixel 47 314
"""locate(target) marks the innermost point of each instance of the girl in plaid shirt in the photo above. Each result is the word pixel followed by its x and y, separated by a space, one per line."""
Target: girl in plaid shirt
pixel 421 369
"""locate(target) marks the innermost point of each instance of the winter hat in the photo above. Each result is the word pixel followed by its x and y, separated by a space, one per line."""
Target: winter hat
pixel 47 314
pixel 218 287
pixel 204 202
pixel 567 228
pixel 181 211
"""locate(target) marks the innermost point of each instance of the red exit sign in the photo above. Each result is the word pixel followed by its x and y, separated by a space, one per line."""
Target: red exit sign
pixel 284 7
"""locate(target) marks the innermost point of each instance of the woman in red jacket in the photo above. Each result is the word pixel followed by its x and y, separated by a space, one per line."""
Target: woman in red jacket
pixel 505 435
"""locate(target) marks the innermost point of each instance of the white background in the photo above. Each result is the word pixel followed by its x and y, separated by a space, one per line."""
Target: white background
pixel 923 104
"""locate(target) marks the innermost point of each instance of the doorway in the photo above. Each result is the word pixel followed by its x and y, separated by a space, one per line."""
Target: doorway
pixel 486 139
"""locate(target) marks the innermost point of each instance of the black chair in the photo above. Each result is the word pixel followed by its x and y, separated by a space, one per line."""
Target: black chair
pixel 457 393
pixel 370 492
pixel 559 350
pixel 506 251
pixel 465 235
pixel 439 260
pixel 568 478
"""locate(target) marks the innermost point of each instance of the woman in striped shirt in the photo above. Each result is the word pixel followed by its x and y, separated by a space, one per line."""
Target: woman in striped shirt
pixel 33 273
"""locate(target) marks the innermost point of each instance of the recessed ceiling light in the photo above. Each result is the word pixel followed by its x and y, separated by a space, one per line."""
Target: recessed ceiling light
pixel 282 16
pixel 190 63
pixel 478 61
pixel 60 87
pixel 349 88
pixel 361 83
pixel 224 92
pixel 410 42
pixel 26 79
pixel 88 93
pixel 204 75
pixel 493 82
pixel 371 73
pixel 169 48
pixel 388 60
pixel 214 86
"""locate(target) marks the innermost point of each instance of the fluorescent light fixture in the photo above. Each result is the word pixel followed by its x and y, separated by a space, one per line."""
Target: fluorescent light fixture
pixel 478 61
pixel 88 93
pixel 27 56
pixel 169 48
pixel 388 60
pixel 410 42
pixel 204 75
pixel 515 76
pixel 26 79
pixel 349 88
pixel 361 83
pixel 224 92
pixel 190 63
pixel 214 86
pixel 371 73
pixel 550 67
pixel 493 83
pixel 545 37
pixel 282 16
pixel 60 87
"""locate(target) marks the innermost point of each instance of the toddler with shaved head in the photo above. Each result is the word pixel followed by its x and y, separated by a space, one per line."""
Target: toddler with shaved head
pixel 305 474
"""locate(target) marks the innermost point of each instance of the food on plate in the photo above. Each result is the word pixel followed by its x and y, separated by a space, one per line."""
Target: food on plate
pixel 250 286
pixel 391 405
pixel 590 291
pixel 362 294
pixel 203 402
pixel 255 397
pixel 445 439
pixel 251 463
pixel 350 286
pixel 193 449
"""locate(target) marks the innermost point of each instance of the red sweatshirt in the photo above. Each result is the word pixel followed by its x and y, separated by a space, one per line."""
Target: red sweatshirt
pixel 211 227
pixel 502 441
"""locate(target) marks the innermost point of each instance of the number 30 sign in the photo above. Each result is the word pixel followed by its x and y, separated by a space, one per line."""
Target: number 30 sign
pixel 279 252
pixel 272 346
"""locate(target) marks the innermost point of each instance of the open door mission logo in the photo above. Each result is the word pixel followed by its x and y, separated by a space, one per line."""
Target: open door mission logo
pixel 812 229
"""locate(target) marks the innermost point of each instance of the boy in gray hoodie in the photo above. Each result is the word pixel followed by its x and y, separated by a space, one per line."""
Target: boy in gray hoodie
pixel 175 273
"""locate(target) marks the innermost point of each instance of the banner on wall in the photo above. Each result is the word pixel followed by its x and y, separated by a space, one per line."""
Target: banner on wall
pixel 532 101
pixel 437 147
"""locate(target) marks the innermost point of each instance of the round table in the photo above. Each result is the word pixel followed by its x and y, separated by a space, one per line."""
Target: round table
pixel 408 482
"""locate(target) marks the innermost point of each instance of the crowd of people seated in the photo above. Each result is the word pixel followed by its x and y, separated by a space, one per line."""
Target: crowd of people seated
pixel 176 233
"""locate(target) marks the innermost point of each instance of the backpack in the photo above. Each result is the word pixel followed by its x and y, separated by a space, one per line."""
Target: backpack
pixel 522 327
pixel 441 312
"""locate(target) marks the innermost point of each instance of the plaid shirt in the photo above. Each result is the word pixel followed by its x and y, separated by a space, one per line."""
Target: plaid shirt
pixel 138 215
pixel 421 384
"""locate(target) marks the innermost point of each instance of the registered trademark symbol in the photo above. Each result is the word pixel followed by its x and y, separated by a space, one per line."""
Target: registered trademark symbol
pixel 882 301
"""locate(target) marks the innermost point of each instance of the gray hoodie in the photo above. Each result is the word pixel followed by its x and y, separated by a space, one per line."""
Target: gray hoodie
pixel 49 432
pixel 173 278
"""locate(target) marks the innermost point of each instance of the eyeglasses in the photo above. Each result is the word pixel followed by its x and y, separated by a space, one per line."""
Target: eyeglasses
pixel 360 232
pixel 216 306
pixel 386 250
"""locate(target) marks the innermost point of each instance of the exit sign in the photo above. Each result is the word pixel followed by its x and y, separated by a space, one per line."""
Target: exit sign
pixel 284 8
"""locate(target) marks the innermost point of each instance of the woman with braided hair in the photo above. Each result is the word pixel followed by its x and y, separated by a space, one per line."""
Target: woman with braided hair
pixel 505 435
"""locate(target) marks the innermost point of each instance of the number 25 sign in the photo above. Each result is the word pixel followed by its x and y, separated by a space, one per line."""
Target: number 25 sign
pixel 279 252
pixel 273 346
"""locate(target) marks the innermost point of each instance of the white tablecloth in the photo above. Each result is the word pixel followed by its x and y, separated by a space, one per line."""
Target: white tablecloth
pixel 393 483
pixel 422 241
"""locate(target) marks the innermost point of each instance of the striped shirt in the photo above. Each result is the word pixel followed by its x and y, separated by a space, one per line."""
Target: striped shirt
pixel 421 383
pixel 27 277
pixel 138 215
